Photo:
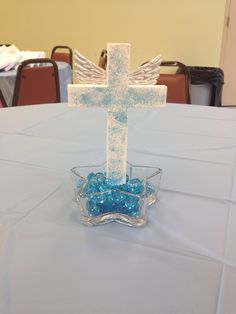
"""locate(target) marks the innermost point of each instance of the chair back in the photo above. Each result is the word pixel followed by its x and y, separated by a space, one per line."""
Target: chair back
pixel 177 83
pixel 37 82
pixel 2 100
pixel 103 59
pixel 62 53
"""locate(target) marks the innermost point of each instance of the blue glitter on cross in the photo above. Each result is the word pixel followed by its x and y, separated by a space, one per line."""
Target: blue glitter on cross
pixel 117 96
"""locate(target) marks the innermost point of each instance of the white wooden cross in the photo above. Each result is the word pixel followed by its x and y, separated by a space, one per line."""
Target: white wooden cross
pixel 117 96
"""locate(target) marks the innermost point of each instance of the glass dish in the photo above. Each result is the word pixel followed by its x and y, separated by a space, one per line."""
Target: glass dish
pixel 101 202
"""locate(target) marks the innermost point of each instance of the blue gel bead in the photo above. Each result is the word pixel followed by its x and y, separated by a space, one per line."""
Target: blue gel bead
pixel 90 176
pixel 92 208
pixel 109 198
pixel 150 189
pixel 91 197
pixel 102 208
pixel 123 187
pixel 93 183
pixel 135 186
pixel 100 178
pixel 101 202
pixel 131 202
pixel 109 183
pixel 118 197
pixel 102 187
pixel 135 213
pixel 109 203
pixel 99 198
pixel 87 189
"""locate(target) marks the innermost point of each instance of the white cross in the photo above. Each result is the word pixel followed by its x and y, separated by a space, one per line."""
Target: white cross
pixel 117 96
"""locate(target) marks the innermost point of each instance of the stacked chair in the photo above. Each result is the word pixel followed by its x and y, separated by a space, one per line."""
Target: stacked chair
pixel 2 100
pixel 37 82
pixel 62 53
pixel 177 82
pixel 103 59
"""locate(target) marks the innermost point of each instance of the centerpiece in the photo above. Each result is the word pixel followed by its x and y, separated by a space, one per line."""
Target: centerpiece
pixel 117 190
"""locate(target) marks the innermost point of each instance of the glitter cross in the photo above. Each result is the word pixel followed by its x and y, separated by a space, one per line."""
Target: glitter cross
pixel 117 96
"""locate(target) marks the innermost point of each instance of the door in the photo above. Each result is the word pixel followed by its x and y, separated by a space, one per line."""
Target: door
pixel 228 54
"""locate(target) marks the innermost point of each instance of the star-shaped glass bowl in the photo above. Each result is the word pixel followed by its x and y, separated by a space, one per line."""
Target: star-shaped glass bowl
pixel 100 201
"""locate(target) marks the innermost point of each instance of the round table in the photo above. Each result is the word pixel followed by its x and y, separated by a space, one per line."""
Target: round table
pixel 182 262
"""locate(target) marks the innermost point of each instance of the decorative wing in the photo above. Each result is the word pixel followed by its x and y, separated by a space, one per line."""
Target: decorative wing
pixel 88 72
pixel 146 74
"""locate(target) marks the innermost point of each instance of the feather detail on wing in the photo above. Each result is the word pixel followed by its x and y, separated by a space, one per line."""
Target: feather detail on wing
pixel 146 74
pixel 88 72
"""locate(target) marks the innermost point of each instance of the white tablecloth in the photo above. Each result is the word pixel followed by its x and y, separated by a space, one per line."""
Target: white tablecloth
pixel 182 262
pixel 8 78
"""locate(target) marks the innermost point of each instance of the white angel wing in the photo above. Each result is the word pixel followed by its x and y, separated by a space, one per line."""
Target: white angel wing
pixel 88 72
pixel 146 74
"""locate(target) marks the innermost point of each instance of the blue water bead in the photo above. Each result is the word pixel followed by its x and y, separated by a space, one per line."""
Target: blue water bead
pixel 101 182
pixel 87 189
pixel 110 183
pixel 102 187
pixel 135 186
pixel 115 201
pixel 90 188
pixel 109 204
pixel 98 198
pixel 135 213
pixel 90 176
pixel 93 183
pixel 132 203
pixel 151 189
pixel 93 209
pixel 118 197
pixel 100 178
pixel 121 187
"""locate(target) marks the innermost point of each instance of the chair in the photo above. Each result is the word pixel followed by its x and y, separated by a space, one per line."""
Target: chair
pixel 103 59
pixel 2 100
pixel 62 53
pixel 37 82
pixel 178 83
pixel 211 79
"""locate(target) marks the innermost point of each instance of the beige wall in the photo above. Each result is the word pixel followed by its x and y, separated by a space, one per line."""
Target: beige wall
pixel 186 30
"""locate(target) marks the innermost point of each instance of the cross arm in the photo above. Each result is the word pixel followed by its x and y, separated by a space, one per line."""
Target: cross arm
pixel 145 96
pixel 87 95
